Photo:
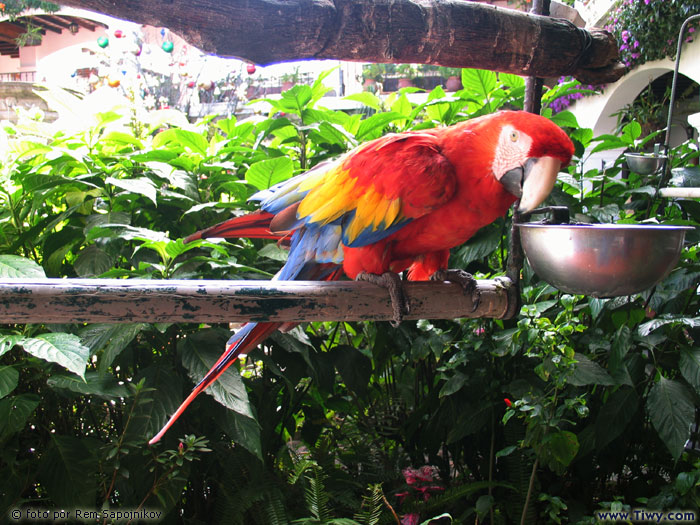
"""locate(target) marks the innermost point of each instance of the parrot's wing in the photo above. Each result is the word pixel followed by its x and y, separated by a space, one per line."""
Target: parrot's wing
pixel 368 194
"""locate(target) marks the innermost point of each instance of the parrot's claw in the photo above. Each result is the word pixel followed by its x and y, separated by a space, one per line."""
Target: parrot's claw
pixel 393 283
pixel 466 280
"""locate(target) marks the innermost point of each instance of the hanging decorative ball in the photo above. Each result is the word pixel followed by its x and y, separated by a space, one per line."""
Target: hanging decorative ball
pixel 113 82
pixel 103 42
pixel 168 46
pixel 190 84
pixel 118 33
pixel 136 51
pixel 250 68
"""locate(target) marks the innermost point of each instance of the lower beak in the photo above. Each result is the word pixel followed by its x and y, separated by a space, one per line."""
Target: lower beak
pixel 532 182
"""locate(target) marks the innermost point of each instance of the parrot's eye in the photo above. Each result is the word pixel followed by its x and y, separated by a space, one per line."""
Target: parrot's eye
pixel 514 136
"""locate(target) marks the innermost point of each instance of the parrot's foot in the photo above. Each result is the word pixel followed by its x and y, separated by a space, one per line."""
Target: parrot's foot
pixel 466 280
pixel 393 283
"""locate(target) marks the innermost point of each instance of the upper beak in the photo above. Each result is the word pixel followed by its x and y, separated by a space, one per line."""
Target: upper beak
pixel 532 182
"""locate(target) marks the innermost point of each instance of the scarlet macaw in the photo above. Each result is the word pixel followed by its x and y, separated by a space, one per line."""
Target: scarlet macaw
pixel 397 203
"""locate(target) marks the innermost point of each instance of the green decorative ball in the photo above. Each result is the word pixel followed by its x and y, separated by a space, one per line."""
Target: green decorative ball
pixel 103 42
pixel 168 46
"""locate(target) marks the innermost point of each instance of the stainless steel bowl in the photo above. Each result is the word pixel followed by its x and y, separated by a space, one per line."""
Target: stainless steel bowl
pixel 602 260
pixel 644 164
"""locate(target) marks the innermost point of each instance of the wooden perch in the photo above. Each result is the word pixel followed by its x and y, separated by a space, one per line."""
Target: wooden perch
pixel 153 301
pixel 453 33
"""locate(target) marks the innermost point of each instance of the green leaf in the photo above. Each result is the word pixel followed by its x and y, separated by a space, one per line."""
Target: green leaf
pixel 7 342
pixel 9 377
pixel 61 348
pixel 94 384
pixel 372 127
pixel 558 450
pixel 14 412
pixel 479 246
pixel 671 410
pixel 69 472
pixel 615 415
pixel 690 366
pixel 454 384
pixel 648 327
pixel 110 339
pixel 199 353
pixel 268 172
pixel 140 186
pixel 195 142
pixel 479 82
pixel 589 372
pixel 354 367
pixel 16 267
pixel 153 408
pixel 92 261
pixel 565 119
pixel 368 99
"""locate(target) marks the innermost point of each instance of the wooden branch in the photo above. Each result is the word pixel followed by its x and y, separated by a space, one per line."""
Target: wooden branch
pixel 452 33
pixel 152 301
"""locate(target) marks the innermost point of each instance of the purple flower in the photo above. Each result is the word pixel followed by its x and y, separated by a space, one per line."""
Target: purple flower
pixel 623 47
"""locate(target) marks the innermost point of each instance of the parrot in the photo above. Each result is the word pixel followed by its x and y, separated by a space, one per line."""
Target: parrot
pixel 396 204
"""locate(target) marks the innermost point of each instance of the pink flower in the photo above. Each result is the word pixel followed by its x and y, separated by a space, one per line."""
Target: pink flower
pixel 410 475
pixel 426 473
pixel 401 496
pixel 410 519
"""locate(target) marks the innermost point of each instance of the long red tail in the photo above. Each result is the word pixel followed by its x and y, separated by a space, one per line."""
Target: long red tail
pixel 254 225
pixel 251 335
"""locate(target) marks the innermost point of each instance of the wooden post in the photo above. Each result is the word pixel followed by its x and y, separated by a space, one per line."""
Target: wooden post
pixel 171 301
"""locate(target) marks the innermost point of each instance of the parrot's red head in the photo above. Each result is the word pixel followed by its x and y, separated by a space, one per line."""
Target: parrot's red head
pixel 526 152
pixel 530 151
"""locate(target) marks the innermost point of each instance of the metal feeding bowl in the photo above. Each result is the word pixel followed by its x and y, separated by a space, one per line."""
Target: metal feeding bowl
pixel 602 260
pixel 644 163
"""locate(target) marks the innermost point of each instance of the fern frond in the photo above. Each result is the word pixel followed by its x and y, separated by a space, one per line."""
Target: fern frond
pixel 372 506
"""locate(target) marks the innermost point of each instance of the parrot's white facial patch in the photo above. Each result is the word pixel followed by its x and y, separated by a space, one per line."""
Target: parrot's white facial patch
pixel 511 152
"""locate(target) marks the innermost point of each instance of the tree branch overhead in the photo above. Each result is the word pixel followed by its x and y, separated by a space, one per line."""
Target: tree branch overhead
pixel 452 33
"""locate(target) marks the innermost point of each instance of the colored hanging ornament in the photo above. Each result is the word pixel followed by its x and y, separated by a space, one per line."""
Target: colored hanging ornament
pixel 118 33
pixel 250 68
pixel 168 46
pixel 103 42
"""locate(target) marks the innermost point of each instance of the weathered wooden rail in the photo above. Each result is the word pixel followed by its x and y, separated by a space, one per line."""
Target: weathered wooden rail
pixel 171 301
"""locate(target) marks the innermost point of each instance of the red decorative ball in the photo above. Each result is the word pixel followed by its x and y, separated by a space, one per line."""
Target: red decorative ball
pixel 250 68
pixel 118 33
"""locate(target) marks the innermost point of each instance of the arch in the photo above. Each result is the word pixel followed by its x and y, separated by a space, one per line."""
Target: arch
pixel 595 112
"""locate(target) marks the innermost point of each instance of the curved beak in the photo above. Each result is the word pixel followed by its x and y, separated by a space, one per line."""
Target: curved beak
pixel 532 182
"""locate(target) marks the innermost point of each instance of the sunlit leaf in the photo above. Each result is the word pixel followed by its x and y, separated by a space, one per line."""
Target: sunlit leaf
pixel 16 267
pixel 61 348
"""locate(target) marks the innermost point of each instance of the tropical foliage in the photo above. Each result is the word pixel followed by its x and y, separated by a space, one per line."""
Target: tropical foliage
pixel 576 405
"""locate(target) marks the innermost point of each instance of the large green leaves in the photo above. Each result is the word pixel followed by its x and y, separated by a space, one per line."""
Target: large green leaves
pixel 14 267
pixel 69 472
pixel 61 348
pixel 199 353
pixel 671 410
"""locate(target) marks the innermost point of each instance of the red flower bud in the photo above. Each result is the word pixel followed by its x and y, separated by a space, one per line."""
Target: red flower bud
pixel 508 402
